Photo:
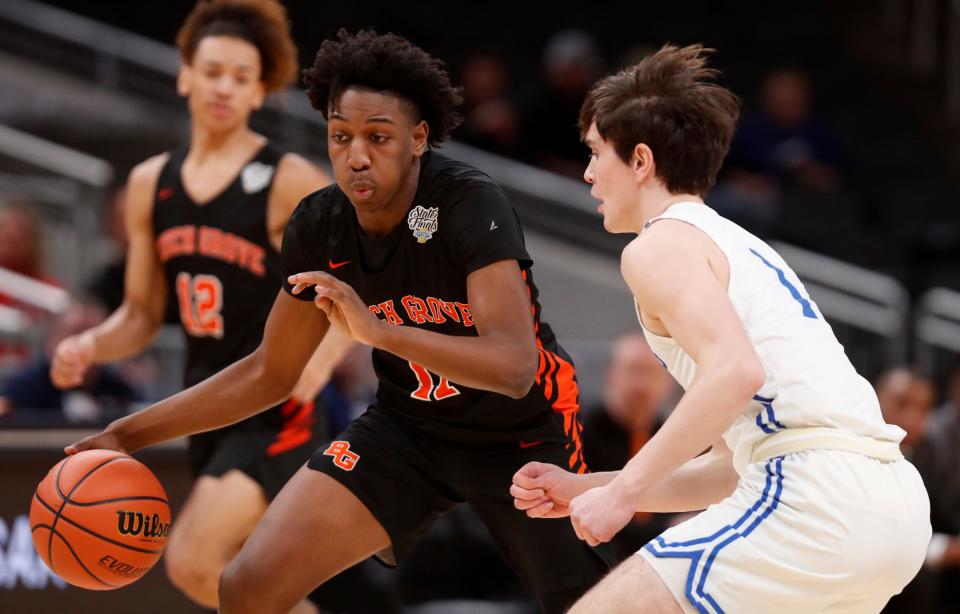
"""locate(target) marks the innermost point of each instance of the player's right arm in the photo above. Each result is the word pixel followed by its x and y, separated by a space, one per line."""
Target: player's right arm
pixel 133 326
pixel 261 380
pixel 545 491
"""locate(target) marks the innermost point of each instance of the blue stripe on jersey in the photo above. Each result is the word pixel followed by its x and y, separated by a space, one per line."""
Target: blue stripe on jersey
pixel 662 549
pixel 805 303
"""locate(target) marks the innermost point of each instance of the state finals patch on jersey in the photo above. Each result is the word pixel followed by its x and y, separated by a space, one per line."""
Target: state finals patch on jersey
pixel 423 222
pixel 255 177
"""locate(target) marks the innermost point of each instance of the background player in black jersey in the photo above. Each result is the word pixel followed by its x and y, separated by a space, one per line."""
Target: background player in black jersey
pixel 205 226
pixel 422 258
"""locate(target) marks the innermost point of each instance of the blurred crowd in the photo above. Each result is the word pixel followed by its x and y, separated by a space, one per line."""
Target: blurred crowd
pixel 783 151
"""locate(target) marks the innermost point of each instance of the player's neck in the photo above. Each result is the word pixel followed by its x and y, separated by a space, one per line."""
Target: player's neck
pixel 205 142
pixel 659 203
pixel 380 221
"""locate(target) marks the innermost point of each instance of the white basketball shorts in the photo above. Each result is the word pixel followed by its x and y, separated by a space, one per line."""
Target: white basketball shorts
pixel 814 531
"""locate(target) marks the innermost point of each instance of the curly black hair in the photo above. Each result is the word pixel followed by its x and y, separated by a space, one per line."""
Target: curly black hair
pixel 385 63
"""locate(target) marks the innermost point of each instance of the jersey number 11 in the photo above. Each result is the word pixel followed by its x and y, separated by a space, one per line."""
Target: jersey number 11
pixel 426 389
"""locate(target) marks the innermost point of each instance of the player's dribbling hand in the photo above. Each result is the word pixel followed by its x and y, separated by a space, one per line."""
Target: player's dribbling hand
pixel 599 514
pixel 71 360
pixel 543 490
pixel 105 440
pixel 342 305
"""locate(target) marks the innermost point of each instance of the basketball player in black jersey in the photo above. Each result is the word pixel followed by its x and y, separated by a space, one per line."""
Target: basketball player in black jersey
pixel 205 225
pixel 422 258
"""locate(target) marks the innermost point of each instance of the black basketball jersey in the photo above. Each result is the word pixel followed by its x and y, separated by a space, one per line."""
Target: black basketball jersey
pixel 219 264
pixel 460 221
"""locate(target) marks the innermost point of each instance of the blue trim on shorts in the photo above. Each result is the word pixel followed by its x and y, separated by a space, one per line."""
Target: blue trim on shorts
pixel 664 549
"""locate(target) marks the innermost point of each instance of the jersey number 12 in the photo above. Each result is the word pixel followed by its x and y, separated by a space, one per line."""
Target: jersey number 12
pixel 201 299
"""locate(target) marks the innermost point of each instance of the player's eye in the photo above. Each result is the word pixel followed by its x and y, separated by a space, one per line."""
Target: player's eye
pixel 339 137
pixel 379 138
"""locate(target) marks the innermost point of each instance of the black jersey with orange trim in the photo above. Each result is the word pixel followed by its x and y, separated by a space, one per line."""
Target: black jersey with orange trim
pixel 218 261
pixel 460 221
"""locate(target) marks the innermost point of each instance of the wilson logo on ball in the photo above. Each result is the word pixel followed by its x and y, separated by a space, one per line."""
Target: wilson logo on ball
pixel 138 523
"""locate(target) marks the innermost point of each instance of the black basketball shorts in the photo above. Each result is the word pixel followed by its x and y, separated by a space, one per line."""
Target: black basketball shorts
pixel 270 452
pixel 407 479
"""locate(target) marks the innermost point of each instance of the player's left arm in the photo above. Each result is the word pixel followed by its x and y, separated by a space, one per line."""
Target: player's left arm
pixel 501 358
pixel 670 274
pixel 296 178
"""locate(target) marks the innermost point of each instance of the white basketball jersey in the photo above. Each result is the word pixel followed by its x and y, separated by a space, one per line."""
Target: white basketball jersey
pixel 809 379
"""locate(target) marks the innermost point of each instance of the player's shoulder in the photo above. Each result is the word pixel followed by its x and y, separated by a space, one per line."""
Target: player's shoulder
pixel 148 171
pixel 294 165
pixel 141 185
pixel 455 177
pixel 666 240
pixel 321 207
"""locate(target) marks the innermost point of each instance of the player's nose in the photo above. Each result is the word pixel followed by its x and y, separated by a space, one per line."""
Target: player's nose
pixel 357 156
pixel 588 174
pixel 223 85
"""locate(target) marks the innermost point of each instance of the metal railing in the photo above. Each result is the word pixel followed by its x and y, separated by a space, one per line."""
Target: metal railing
pixel 75 195
pixel 937 327
pixel 869 312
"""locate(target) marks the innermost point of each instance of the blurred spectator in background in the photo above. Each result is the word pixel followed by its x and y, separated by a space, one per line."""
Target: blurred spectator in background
pixel 21 248
pixel 351 389
pixel 571 64
pixel 491 119
pixel 21 253
pixel 638 394
pixel 784 145
pixel 938 460
pixel 107 284
pixel 907 399
pixel 103 395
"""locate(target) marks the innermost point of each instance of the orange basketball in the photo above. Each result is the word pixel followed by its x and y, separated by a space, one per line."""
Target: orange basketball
pixel 100 519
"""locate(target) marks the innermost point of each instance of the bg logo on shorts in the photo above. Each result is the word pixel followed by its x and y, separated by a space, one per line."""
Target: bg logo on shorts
pixel 342 456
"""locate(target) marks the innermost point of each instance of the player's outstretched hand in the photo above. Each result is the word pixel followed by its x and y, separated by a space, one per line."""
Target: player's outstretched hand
pixel 599 514
pixel 105 440
pixel 342 305
pixel 71 359
pixel 543 490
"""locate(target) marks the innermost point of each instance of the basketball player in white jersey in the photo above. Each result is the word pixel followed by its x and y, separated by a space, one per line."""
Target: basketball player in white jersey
pixel 808 504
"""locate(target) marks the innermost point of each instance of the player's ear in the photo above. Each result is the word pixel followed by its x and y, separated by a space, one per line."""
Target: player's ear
pixel 183 80
pixel 641 162
pixel 420 133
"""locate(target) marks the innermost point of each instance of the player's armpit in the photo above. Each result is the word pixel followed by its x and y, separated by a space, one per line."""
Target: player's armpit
pixel 669 272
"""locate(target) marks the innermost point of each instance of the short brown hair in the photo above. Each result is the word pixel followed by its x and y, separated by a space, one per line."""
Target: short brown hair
pixel 669 102
pixel 262 23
